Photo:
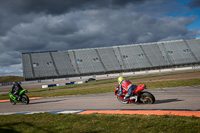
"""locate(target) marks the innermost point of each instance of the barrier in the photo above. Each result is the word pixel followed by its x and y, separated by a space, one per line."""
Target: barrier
pixel 61 84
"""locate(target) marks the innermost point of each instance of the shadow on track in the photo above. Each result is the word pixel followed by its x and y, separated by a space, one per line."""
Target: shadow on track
pixel 167 101
pixel 46 102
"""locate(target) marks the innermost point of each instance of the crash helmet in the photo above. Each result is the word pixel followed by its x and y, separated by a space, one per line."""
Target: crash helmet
pixel 15 83
pixel 120 79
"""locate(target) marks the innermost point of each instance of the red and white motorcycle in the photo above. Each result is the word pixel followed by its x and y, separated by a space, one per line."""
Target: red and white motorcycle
pixel 138 96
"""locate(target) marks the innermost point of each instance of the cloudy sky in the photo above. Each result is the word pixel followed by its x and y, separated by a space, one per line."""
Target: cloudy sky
pixel 44 25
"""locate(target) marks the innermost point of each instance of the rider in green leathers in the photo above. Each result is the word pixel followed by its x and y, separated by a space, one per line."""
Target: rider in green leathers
pixel 16 88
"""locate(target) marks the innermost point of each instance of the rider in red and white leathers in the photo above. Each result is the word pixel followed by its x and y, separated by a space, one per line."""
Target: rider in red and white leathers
pixel 127 86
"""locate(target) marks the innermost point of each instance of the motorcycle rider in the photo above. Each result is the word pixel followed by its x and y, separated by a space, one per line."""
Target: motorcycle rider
pixel 128 86
pixel 16 88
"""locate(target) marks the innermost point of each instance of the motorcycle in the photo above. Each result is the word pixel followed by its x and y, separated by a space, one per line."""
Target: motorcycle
pixel 24 97
pixel 138 96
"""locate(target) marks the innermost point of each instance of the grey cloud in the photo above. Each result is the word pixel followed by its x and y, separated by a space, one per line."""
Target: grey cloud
pixel 25 37
pixel 61 6
pixel 91 30
pixel 61 25
pixel 8 20
pixel 25 11
pixel 194 4
pixel 125 2
pixel 10 58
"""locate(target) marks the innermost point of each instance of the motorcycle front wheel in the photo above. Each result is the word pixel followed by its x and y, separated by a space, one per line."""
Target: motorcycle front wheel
pixel 25 99
pixel 147 98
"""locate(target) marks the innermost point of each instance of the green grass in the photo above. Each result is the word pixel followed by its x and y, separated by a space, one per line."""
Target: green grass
pixel 98 123
pixel 7 79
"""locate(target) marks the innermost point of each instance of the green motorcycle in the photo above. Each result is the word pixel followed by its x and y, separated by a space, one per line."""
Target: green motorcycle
pixel 24 97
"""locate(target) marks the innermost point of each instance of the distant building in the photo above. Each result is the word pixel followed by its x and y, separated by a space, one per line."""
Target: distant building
pixel 133 57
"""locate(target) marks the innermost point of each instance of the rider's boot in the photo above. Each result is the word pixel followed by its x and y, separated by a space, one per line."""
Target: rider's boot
pixel 19 98
pixel 124 99
pixel 135 97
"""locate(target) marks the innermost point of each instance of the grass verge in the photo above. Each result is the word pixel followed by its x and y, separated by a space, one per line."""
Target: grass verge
pixel 97 123
pixel 7 79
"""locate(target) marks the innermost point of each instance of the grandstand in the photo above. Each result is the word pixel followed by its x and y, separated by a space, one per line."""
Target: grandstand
pixel 93 61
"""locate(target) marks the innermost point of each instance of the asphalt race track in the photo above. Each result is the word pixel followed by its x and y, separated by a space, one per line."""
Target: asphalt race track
pixel 175 98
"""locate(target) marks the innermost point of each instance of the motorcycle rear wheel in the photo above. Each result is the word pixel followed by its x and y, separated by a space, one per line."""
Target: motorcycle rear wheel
pixel 147 98
pixel 25 99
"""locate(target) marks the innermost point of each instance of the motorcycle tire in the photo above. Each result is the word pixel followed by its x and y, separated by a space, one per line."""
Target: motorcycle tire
pixel 25 99
pixel 147 98
pixel 12 102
